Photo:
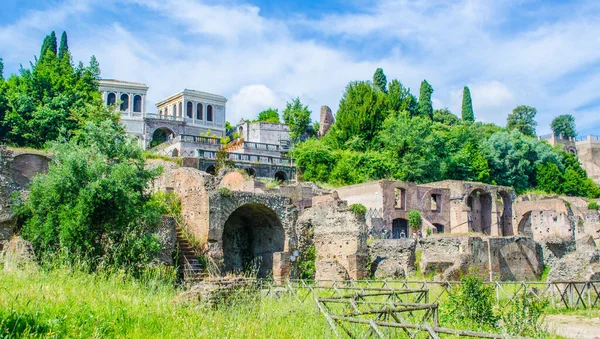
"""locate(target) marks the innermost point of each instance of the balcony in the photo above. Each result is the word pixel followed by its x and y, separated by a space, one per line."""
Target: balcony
pixel 247 158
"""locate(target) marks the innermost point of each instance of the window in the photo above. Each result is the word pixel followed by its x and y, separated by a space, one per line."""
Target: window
pixel 199 111
pixel 124 102
pixel 174 110
pixel 400 196
pixel 189 109
pixel 111 99
pixel 180 109
pixel 436 202
pixel 137 103
pixel 209 113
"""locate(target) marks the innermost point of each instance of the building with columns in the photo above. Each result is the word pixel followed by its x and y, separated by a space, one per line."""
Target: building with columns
pixel 188 112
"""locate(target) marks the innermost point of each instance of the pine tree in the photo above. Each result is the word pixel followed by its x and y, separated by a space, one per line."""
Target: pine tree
pixel 52 44
pixel 425 104
pixel 380 80
pixel 1 69
pixel 64 46
pixel 467 106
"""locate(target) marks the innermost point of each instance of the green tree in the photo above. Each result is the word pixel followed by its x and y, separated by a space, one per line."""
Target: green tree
pixel 549 178
pixel 1 69
pixel 63 50
pixel 400 99
pixel 564 125
pixel 380 80
pixel 425 103
pixel 314 159
pixel 522 119
pixel 297 117
pixel 269 115
pixel 49 45
pixel 361 113
pixel 445 117
pixel 93 205
pixel 467 106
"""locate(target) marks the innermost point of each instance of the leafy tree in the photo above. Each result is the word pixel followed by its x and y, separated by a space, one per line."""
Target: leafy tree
pixel 1 69
pixel 467 106
pixel 228 127
pixel 354 167
pixel 269 115
pixel 469 164
pixel 564 125
pixel 314 159
pixel 473 303
pixel 400 99
pixel 51 95
pixel 415 220
pixel 576 181
pixel 425 103
pixel 549 178
pixel 94 205
pixel 445 117
pixel 63 50
pixel 380 80
pixel 297 117
pixel 522 120
pixel 49 45
pixel 361 113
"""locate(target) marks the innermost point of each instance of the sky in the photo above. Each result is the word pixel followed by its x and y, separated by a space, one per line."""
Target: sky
pixel 261 54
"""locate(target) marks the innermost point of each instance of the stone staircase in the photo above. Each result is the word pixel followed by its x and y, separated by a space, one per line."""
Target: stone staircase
pixel 190 265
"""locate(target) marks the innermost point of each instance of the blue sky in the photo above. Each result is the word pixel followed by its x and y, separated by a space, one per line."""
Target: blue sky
pixel 261 54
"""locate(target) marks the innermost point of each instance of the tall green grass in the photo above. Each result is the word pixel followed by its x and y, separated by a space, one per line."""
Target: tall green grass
pixel 66 304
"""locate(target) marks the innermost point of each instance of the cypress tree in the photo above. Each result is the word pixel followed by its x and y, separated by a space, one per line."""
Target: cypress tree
pixel 44 47
pixel 380 80
pixel 425 104
pixel 64 46
pixel 467 106
pixel 52 43
pixel 1 69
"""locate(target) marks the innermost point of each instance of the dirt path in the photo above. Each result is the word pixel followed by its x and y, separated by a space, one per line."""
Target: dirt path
pixel 574 326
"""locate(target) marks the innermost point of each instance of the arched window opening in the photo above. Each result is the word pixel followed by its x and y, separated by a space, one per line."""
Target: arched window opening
pixel 199 111
pixel 137 103
pixel 124 102
pixel 251 172
pixel 280 176
pixel 209 113
pixel 174 110
pixel 111 99
pixel 189 109
pixel 480 211
pixel 180 109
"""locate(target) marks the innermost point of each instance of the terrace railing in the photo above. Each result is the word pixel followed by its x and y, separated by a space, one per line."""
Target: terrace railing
pixel 248 158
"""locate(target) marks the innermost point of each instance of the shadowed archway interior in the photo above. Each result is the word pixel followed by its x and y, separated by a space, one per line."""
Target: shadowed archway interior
pixel 252 233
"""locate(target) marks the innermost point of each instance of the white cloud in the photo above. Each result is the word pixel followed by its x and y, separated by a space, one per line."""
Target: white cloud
pixel 250 100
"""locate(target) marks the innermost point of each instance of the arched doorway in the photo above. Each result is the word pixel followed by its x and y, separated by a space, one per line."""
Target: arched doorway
pixel 161 135
pixel 211 170
pixel 480 211
pixel 524 227
pixel 280 176
pixel 175 153
pixel 251 235
pixel 506 216
pixel 399 228
pixel 251 172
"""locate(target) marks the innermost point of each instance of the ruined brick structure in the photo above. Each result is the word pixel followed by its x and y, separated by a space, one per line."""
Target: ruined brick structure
pixel 326 120
pixel 7 186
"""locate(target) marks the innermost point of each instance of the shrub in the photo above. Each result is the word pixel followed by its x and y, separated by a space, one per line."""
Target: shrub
pixel 306 263
pixel 94 204
pixel 525 317
pixel 226 192
pixel 358 209
pixel 472 303
pixel 593 206
pixel 414 219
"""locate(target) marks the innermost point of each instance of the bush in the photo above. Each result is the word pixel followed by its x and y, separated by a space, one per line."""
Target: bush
pixel 472 303
pixel 226 192
pixel 414 219
pixel 525 317
pixel 94 205
pixel 306 263
pixel 593 206
pixel 358 209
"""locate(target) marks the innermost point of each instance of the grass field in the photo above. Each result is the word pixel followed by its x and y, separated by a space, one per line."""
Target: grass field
pixel 67 304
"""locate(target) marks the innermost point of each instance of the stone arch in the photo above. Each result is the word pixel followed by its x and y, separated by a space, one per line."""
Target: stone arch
pixel 524 227
pixel 211 170
pixel 161 135
pixel 251 235
pixel 209 113
pixel 175 153
pixel 137 103
pixel 250 171
pixel 281 176
pixel 189 109
pixel 507 214
pixel 399 226
pixel 479 203
pixel 111 98
pixel 199 111
pixel 124 102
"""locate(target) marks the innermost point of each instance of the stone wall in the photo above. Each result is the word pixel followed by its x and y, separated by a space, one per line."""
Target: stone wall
pixel 588 152
pixel 28 165
pixel 326 120
pixel 167 236
pixel 392 258
pixel 506 258
pixel 7 186
pixel 340 238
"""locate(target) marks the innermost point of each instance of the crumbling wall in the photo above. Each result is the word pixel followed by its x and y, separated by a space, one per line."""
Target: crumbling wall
pixel 392 258
pixel 340 238
pixel 555 248
pixel 28 165
pixel 506 258
pixel 167 236
pixel 7 186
